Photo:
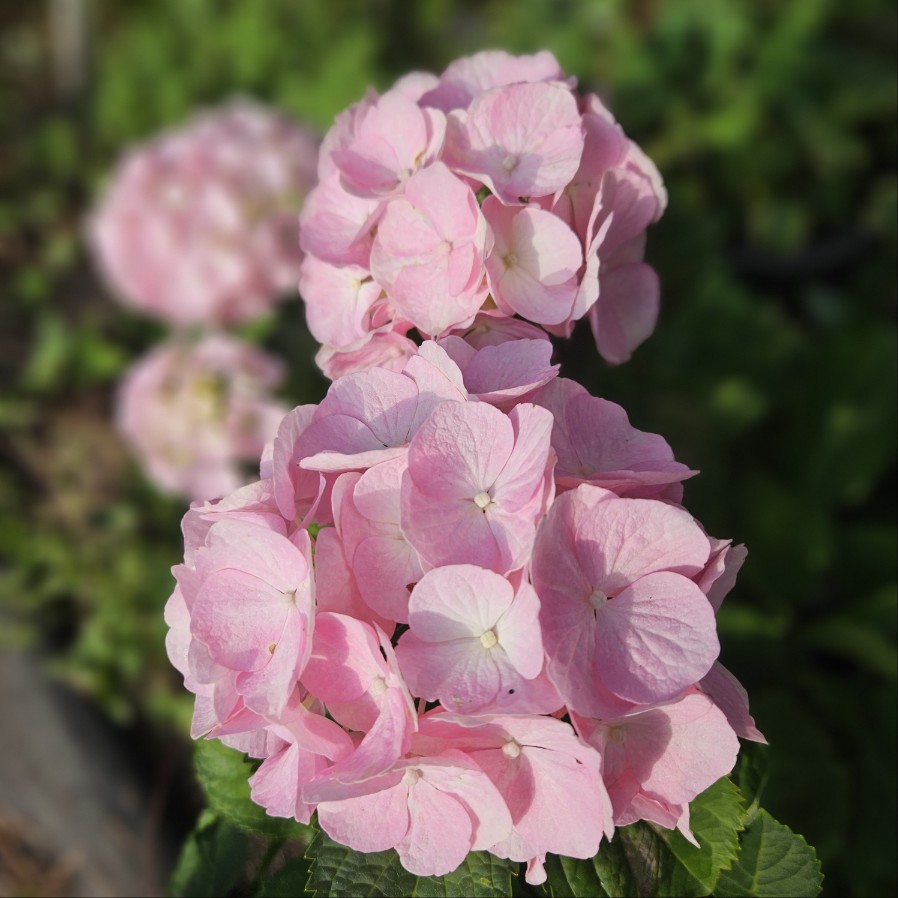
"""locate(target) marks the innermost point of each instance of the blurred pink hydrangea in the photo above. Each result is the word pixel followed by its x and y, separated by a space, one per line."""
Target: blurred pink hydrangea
pixel 196 413
pixel 463 609
pixel 496 187
pixel 198 226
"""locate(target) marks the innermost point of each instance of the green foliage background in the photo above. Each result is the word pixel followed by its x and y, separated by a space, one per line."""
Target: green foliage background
pixel 773 368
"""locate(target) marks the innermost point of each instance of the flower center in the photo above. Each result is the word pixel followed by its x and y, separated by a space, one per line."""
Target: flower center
pixel 378 686
pixel 511 749
pixel 510 162
pixel 482 500
pixel 510 260
pixel 489 639
pixel 597 599
pixel 412 775
pixel 618 734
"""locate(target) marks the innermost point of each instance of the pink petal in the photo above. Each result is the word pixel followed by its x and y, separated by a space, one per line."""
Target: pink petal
pixel 460 451
pixel 519 635
pixel 621 540
pixel 534 263
pixel 655 638
pixel 729 695
pixel 374 822
pixel 626 311
pixel 522 140
pixel 439 834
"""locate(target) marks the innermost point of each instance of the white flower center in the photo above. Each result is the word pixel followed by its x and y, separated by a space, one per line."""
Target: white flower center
pixel 482 499
pixel 412 775
pixel 489 639
pixel 510 162
pixel 378 686
pixel 511 749
pixel 510 260
pixel 597 599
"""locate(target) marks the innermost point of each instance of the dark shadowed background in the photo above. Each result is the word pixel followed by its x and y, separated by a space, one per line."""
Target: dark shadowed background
pixel 773 370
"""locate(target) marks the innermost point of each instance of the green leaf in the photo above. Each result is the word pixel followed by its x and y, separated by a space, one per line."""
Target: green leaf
pixel 773 861
pixel 715 818
pixel 638 863
pixel 643 860
pixel 338 871
pixel 224 775
pixel 211 860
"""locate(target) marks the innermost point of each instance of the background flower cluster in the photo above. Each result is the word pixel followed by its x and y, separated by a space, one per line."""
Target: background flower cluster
pixel 197 228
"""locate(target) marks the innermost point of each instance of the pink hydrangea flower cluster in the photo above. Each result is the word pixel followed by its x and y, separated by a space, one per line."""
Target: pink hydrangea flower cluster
pixel 196 413
pixel 495 187
pixel 198 226
pixel 463 608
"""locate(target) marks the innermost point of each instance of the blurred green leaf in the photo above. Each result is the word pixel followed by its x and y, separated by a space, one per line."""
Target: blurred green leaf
pixel 211 859
pixel 224 775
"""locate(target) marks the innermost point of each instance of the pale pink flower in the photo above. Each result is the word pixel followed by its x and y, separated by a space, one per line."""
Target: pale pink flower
pixel 595 443
pixel 337 227
pixel 665 756
pixel 476 484
pixel 353 671
pixel 301 496
pixel 626 309
pixel 251 611
pixel 522 140
pixel 253 503
pixel 383 563
pixel 502 374
pixel 366 418
pixel 388 349
pixel 474 643
pixel 534 263
pixel 465 78
pixel 623 624
pixel 198 226
pixel 432 810
pixel 719 574
pixel 391 139
pixel 716 581
pixel 338 590
pixel 730 696
pixel 339 301
pixel 429 250
pixel 341 134
pixel 209 709
pixel 494 327
pixel 193 412
pixel 302 745
pixel 550 780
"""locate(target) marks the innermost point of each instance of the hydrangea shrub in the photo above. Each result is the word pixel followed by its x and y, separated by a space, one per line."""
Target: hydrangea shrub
pixel 463 623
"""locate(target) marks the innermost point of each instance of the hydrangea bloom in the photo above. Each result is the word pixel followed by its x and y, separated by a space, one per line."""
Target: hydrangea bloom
pixel 195 413
pixel 500 635
pixel 198 225
pixel 495 188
